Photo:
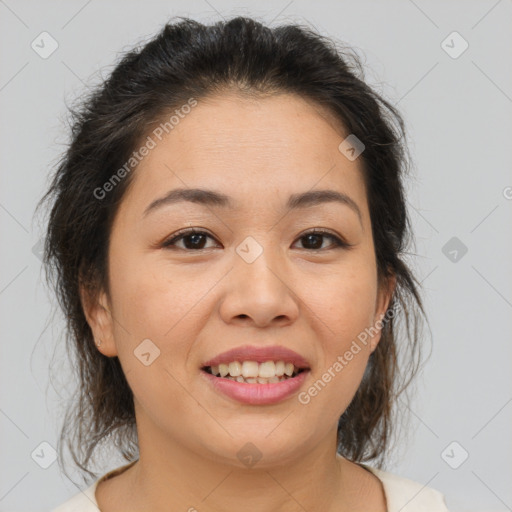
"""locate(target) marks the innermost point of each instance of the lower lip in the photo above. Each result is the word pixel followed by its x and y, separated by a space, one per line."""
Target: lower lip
pixel 257 394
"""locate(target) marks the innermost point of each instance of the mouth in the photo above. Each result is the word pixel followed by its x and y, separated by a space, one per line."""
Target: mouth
pixel 253 372
pixel 256 375
pixel 256 383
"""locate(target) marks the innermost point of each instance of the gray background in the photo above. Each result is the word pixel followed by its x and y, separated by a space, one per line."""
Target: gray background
pixel 458 116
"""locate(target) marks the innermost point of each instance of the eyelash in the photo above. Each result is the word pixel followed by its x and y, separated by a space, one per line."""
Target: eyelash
pixel 338 242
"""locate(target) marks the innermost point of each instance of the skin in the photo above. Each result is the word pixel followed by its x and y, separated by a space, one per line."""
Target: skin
pixel 194 304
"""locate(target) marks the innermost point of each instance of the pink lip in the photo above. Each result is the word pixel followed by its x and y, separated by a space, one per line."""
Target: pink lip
pixel 260 355
pixel 257 394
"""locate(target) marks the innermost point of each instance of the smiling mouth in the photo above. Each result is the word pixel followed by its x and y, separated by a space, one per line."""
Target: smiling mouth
pixel 252 372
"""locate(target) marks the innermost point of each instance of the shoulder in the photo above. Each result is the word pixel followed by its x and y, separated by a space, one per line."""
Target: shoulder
pixel 84 501
pixel 406 495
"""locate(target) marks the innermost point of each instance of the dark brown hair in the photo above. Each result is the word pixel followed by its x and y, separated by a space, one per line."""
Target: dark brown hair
pixel 187 59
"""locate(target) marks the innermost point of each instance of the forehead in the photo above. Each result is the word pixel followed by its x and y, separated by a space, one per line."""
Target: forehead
pixel 251 148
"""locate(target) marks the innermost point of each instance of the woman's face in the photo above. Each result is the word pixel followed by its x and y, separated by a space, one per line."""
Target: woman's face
pixel 251 278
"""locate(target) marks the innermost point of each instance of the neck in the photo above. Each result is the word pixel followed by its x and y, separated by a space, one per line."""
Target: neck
pixel 169 476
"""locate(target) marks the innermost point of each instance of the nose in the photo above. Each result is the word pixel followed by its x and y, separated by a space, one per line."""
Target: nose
pixel 259 293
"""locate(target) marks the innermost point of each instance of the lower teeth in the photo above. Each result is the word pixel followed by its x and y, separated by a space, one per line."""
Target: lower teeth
pixel 257 380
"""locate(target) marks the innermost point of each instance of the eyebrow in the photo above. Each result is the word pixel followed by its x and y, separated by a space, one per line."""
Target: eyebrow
pixel 212 198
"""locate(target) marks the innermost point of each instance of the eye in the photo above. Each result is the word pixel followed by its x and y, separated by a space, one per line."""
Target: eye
pixel 196 240
pixel 314 239
pixel 192 239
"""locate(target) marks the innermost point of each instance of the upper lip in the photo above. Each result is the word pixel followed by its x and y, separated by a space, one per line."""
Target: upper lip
pixel 260 355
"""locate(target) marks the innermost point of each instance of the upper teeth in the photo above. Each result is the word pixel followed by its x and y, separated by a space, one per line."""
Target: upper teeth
pixel 266 370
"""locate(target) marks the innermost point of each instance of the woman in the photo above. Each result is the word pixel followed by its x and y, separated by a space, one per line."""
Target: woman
pixel 226 239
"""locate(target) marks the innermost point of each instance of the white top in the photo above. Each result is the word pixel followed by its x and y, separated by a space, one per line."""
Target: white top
pixel 402 494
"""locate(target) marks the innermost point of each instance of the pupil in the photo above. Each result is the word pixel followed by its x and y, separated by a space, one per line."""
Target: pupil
pixel 317 237
pixel 195 238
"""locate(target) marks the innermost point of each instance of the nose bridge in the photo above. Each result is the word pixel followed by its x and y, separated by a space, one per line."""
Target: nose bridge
pixel 259 262
pixel 260 292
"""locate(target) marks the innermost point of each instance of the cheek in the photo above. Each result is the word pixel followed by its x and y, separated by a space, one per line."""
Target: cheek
pixel 345 302
pixel 155 319
pixel 148 298
pixel 345 306
pixel 152 301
